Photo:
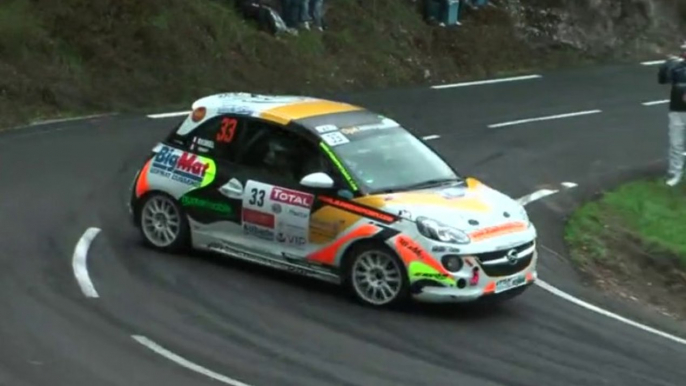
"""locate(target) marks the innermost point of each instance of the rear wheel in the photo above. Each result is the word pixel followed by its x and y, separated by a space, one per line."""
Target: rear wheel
pixel 377 277
pixel 163 224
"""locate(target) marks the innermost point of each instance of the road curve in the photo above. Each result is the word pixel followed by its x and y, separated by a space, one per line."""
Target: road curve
pixel 264 328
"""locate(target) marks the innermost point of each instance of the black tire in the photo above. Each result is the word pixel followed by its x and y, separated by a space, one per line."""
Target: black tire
pixel 359 251
pixel 181 242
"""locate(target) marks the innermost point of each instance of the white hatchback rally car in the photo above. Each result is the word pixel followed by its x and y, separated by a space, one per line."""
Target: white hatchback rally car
pixel 332 191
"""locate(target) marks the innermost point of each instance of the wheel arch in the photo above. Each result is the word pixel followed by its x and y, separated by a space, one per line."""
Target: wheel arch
pixel 138 204
pixel 372 241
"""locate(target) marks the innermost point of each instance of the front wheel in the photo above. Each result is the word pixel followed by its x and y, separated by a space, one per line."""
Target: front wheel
pixel 377 277
pixel 163 224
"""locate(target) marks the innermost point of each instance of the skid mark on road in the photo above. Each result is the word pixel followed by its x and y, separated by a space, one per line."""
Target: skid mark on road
pixel 528 199
pixel 184 362
pixel 79 263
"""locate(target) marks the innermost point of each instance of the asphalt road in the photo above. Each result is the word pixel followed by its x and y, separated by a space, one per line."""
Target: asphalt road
pixel 265 328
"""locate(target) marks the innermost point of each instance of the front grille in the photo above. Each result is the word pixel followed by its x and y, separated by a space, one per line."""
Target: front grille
pixel 488 256
pixel 506 269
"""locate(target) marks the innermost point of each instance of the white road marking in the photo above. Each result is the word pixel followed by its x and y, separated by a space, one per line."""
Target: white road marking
pixel 489 81
pixel 570 298
pixel 72 119
pixel 537 195
pixel 550 117
pixel 569 185
pixel 603 312
pixel 79 262
pixel 169 115
pixel 652 103
pixel 652 62
pixel 430 137
pixel 184 362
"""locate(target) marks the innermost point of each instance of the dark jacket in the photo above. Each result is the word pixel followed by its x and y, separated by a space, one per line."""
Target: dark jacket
pixel 673 72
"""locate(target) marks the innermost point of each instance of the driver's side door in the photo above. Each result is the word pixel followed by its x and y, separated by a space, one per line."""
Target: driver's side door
pixel 276 209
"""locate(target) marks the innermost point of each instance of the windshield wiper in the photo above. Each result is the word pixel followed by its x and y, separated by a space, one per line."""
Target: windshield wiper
pixel 425 184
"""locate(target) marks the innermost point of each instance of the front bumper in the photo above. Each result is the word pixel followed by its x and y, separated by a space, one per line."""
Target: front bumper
pixel 434 292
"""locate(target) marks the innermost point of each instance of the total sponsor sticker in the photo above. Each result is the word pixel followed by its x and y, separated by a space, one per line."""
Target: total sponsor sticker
pixel 292 197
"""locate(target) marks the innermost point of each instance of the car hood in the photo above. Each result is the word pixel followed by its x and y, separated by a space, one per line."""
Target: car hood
pixel 469 207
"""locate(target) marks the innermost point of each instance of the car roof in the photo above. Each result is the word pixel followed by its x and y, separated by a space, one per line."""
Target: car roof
pixel 308 112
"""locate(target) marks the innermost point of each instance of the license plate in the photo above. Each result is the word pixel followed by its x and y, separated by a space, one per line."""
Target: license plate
pixel 509 283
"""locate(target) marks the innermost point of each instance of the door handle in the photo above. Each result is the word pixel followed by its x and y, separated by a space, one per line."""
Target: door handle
pixel 232 189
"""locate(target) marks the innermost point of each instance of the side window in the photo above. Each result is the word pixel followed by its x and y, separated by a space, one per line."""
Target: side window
pixel 218 137
pixel 278 156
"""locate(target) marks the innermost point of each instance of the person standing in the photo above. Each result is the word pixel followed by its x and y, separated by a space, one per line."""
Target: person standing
pixel 673 72
pixel 317 13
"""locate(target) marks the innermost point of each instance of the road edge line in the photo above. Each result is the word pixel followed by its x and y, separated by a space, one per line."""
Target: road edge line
pixel 539 194
pixel 151 345
pixel 168 115
pixel 559 293
pixel 79 262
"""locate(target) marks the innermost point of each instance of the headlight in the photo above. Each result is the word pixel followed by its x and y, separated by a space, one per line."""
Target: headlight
pixel 441 232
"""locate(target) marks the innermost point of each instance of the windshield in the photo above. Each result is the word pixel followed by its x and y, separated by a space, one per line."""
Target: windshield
pixel 392 159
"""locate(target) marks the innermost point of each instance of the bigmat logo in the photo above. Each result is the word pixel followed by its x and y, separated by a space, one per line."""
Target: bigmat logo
pixel 180 166
pixel 292 197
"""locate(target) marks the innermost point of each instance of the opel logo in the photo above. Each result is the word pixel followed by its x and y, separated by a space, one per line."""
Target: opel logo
pixel 512 256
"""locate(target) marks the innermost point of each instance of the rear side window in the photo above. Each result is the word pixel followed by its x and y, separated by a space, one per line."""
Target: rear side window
pixel 217 138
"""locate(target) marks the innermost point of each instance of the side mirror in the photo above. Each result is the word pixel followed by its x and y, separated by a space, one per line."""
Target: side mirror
pixel 317 180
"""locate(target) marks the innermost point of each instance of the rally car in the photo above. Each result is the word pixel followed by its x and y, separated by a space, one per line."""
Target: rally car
pixel 332 191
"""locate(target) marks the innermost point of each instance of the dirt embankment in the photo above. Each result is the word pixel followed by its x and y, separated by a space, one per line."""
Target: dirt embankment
pixel 81 56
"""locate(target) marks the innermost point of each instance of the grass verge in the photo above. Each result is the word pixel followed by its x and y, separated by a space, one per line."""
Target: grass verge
pixel 632 241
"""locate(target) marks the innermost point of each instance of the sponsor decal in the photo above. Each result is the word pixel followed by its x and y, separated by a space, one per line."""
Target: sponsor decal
pixel 325 128
pixel 260 233
pixel 441 249
pixel 384 124
pixel 291 197
pixel 412 247
pixel 214 206
pixel 276 208
pixel 183 167
pixel 436 275
pixel 498 230
pixel 256 217
pixel 298 213
pixel 359 209
pixel 241 110
pixel 290 239
pixel 205 142
pixel 335 138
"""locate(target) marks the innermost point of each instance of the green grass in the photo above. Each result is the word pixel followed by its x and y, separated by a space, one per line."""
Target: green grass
pixel 77 57
pixel 647 213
